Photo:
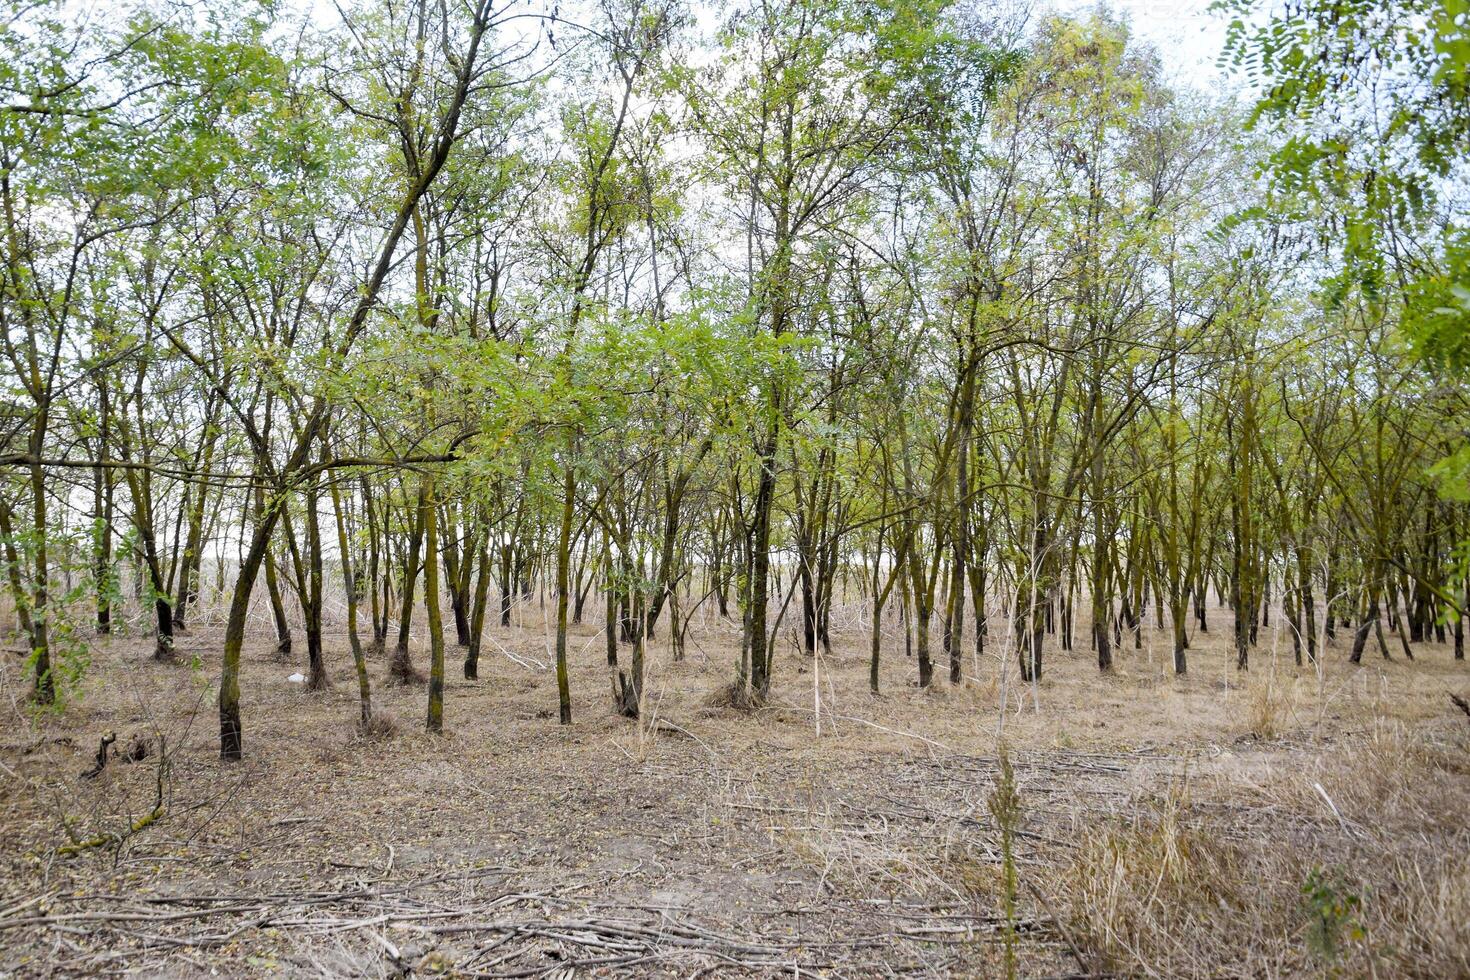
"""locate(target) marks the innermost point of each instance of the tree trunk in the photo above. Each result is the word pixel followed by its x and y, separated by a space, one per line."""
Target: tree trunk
pixel 317 677
pixel 760 561
pixel 350 583
pixel 400 668
pixel 278 608
pixel 563 569
pixel 477 615
pixel 430 518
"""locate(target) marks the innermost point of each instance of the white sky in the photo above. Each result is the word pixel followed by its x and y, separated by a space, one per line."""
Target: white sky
pixel 1186 35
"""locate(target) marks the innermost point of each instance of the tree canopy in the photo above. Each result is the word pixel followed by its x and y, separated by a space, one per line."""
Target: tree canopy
pixel 965 313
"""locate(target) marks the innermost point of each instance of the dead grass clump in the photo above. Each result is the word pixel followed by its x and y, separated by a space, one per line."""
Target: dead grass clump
pixel 1393 780
pixel 401 670
pixel 1376 882
pixel 1148 895
pixel 735 696
pixel 867 863
pixel 1263 714
pixel 1425 930
pixel 406 677
pixel 381 726
pixel 1271 707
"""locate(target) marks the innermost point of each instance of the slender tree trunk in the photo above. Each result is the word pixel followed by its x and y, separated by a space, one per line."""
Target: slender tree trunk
pixel 188 592
pixel 477 615
pixel 102 490
pixel 610 605
pixel 955 619
pixel 379 609
pixel 760 652
pixel 231 734
pixel 922 613
pixel 278 608
pixel 317 677
pixel 401 667
pixel 12 569
pixel 1460 626
pixel 350 583
pixel 507 583
pixel 142 494
pixel 430 519
pixel 563 563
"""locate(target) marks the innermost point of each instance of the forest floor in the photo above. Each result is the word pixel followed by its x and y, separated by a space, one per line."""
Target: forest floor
pixel 1283 821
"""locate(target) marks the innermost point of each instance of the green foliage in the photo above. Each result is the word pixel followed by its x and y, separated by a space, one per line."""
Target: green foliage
pixel 69 649
pixel 1360 85
pixel 1437 308
pixel 70 656
pixel 1371 104
pixel 1332 915
pixel 898 285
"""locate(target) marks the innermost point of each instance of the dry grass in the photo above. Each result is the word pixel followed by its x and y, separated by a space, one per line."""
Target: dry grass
pixel 1168 823
pixel 733 696
pixel 1268 704
pixel 1356 864
pixel 381 726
